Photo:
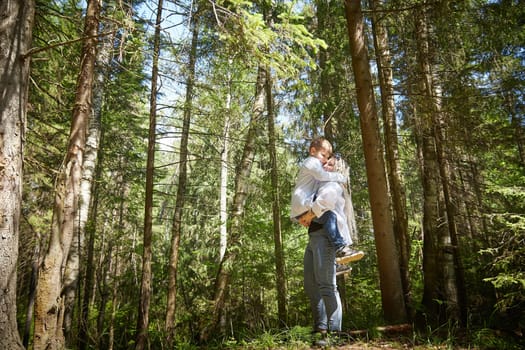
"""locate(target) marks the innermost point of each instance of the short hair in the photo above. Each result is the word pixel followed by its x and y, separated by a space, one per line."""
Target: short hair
pixel 320 142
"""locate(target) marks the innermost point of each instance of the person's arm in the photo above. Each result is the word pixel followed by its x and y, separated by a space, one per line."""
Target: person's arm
pixel 306 219
pixel 314 168
pixel 326 199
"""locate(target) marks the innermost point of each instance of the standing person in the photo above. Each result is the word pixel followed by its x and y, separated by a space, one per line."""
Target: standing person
pixel 319 260
pixel 310 176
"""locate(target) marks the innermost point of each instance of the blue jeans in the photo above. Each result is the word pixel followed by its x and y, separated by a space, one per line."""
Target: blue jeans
pixel 320 282
pixel 329 222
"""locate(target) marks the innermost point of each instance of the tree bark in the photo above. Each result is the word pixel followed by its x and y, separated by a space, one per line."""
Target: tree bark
pixel 145 287
pixel 384 64
pixel 443 272
pixel 181 189
pixel 454 277
pixel 35 265
pixel 72 273
pixel 276 208
pixel 114 300
pixel 49 310
pixel 388 261
pixel 519 133
pixel 92 172
pixel 236 224
pixel 434 225
pixel 15 41
pixel 432 213
pixel 223 192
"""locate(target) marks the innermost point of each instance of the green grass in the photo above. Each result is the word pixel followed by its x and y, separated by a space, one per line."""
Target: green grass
pixel 300 338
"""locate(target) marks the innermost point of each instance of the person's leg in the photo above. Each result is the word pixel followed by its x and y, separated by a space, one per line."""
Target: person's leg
pixel 329 222
pixel 344 252
pixel 312 290
pixel 323 260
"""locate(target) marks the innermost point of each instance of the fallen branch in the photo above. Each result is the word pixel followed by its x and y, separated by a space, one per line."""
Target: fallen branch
pixel 397 328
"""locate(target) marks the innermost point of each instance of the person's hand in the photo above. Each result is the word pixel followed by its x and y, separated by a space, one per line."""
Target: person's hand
pixel 306 219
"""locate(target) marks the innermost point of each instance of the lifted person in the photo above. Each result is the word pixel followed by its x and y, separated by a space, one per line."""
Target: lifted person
pixel 307 205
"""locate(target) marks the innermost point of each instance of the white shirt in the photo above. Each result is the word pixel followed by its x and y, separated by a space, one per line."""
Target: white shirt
pixel 330 196
pixel 311 174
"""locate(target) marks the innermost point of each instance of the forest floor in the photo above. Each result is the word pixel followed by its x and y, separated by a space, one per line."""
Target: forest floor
pixel 385 345
pixel 399 337
pixel 377 345
pixel 391 345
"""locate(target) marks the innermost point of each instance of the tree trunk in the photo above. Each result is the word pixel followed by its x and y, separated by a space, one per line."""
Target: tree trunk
pixel 223 195
pixel 89 271
pixel 384 64
pixel 49 310
pixel 104 291
pixel 114 300
pixel 432 217
pixel 434 225
pixel 236 224
pixel 519 135
pixel 35 265
pixel 441 238
pixel 389 273
pixel 276 208
pixel 104 57
pixel 457 295
pixel 89 170
pixel 181 189
pixel 15 41
pixel 145 287
pixel 432 270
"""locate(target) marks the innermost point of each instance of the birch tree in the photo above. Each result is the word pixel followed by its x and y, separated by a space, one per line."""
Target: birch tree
pixel 49 307
pixel 242 177
pixel 104 57
pixel 223 192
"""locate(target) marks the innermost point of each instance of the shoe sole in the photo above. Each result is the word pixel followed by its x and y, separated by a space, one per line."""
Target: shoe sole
pixel 342 273
pixel 346 259
pixel 339 273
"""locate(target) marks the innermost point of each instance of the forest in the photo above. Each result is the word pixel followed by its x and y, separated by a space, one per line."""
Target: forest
pixel 149 149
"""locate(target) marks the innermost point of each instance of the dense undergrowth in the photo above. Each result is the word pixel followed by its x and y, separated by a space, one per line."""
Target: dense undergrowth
pixel 299 337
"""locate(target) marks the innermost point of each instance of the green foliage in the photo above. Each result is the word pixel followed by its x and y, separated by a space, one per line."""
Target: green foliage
pixel 505 271
pixel 51 95
pixel 295 338
pixel 489 339
pixel 363 293
pixel 281 42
